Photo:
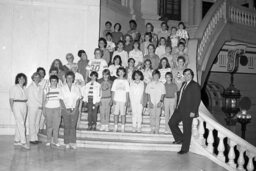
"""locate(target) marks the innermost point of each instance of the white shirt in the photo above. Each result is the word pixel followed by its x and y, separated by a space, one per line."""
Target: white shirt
pixel 147 75
pixel 97 65
pixel 163 71
pixel 79 79
pixel 137 55
pixel 113 68
pixel 136 92
pixel 124 57
pixel 110 46
pixel 96 92
pixel 16 92
pixel 120 87
pixel 182 34
pixel 70 97
pixel 35 95
pixel 160 50
pixel 155 90
pixel 174 40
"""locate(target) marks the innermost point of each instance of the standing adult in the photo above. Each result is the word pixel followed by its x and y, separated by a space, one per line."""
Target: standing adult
pixel 18 99
pixel 70 98
pixel 187 109
pixel 35 97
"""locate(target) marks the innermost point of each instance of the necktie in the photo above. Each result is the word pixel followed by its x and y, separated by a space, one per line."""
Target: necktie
pixel 181 92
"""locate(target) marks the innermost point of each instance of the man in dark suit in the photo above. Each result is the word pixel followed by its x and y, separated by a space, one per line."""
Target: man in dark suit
pixel 186 109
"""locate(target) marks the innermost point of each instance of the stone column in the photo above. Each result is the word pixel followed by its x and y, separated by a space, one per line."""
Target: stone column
pixel 149 9
pixel 185 11
pixel 198 12
pixel 251 4
pixel 191 8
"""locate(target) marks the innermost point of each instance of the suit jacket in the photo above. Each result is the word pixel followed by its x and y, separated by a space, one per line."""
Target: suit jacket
pixel 190 99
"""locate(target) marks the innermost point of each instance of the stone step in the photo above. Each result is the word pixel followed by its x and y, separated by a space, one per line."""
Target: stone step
pixel 120 144
pixel 145 128
pixel 127 136
pixel 128 118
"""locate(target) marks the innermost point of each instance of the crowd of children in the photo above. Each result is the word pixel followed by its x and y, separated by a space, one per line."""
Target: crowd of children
pixel 129 71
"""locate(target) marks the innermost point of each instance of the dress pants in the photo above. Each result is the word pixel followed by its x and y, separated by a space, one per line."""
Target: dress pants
pixel 92 113
pixel 34 115
pixel 185 137
pixel 70 122
pixel 20 112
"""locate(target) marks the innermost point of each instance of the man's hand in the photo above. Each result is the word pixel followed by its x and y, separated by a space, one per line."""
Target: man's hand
pixel 192 115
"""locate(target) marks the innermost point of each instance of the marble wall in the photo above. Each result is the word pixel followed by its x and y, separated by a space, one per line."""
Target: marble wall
pixel 35 32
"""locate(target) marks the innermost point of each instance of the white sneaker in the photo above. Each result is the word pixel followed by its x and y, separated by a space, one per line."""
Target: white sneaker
pixel 56 144
pixel 139 129
pixel 48 144
pixel 73 146
pixel 102 127
pixel 17 143
pixel 25 146
pixel 106 128
pixel 115 128
pixel 122 128
pixel 67 146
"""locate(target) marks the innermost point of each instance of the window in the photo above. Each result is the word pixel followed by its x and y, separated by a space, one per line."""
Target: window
pixel 170 9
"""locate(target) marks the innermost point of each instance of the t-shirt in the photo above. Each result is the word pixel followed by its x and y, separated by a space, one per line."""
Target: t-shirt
pixel 120 87
pixel 137 56
pixel 155 90
pixel 147 75
pixel 97 65
pixel 113 69
pixel 106 88
pixel 160 50
pixel 124 57
pixel 170 90
pixel 178 77
pixel 111 46
pixel 52 97
pixel 154 60
pixel 116 36
pixel 106 55
pixel 82 64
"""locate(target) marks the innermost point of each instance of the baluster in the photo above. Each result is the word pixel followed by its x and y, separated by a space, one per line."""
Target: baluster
pixel 201 132
pixel 210 139
pixel 241 158
pixel 250 166
pixel 231 154
pixel 221 148
pixel 194 127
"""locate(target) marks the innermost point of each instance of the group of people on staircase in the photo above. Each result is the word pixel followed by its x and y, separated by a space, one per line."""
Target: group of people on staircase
pixel 131 74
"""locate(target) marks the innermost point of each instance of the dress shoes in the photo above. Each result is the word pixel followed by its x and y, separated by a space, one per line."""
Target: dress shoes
pixel 182 152
pixel 176 142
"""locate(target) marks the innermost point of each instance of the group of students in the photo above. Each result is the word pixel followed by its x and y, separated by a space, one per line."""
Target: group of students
pixel 131 76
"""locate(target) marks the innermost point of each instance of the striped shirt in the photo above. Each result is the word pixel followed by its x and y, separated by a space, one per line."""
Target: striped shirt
pixel 90 92
pixel 52 97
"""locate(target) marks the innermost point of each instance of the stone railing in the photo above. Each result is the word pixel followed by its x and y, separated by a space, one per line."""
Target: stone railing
pixel 208 25
pixel 228 149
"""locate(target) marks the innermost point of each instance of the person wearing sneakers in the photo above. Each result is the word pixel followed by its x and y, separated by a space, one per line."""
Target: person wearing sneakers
pixel 136 99
pixel 106 100
pixel 18 104
pixel 70 96
pixel 35 96
pixel 120 90
pixel 170 99
pixel 51 110
pixel 92 95
pixel 155 91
